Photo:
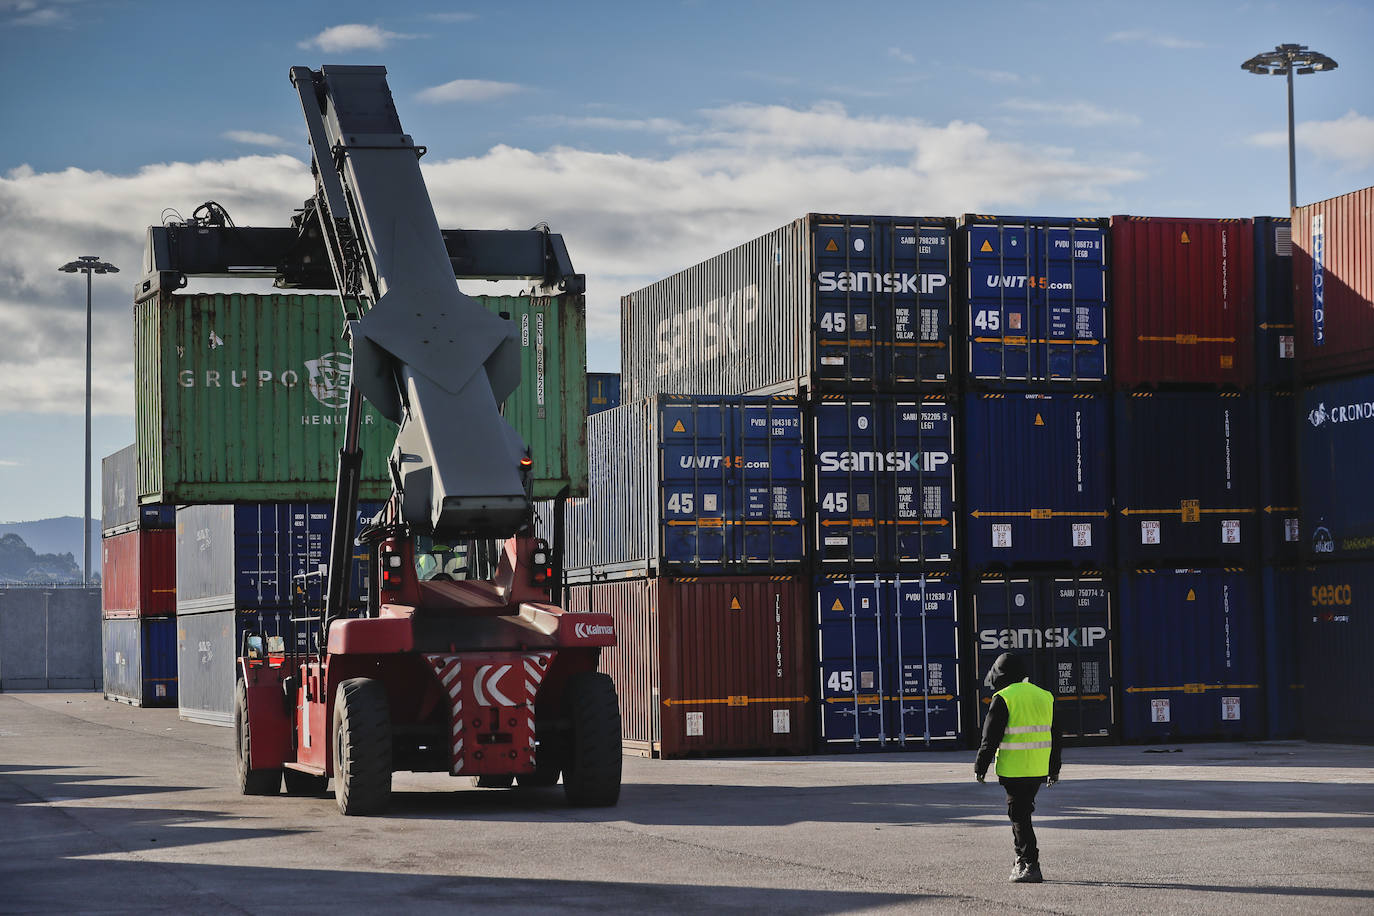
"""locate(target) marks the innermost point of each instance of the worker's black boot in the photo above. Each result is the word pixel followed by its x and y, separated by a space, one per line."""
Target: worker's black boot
pixel 1028 874
pixel 1017 870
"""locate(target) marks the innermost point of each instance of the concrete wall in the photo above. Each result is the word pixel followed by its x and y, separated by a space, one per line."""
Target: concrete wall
pixel 50 639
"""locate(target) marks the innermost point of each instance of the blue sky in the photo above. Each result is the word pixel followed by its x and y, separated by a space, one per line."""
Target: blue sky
pixel 651 135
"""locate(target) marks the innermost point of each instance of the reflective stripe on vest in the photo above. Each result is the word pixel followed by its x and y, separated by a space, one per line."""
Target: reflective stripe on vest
pixel 1026 742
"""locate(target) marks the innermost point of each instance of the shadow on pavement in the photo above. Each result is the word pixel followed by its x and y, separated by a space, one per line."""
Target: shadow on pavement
pixel 202 889
pixel 1277 890
pixel 1156 805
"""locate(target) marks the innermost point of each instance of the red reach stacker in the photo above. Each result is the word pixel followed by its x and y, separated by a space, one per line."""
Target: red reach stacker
pixel 463 662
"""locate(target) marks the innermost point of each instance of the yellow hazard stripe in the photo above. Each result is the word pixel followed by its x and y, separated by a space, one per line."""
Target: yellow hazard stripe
pixel 1193 688
pixel 871 698
pixel 735 701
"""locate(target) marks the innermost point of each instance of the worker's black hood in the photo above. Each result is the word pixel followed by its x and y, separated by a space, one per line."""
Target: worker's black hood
pixel 1008 669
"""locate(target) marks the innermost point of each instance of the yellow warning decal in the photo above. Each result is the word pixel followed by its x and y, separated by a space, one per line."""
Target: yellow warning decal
pixel 1192 595
pixel 837 606
pixel 734 604
pixel 831 246
pixel 1228 362
pixel 987 246
pixel 1039 420
pixel 1184 240
pixel 678 427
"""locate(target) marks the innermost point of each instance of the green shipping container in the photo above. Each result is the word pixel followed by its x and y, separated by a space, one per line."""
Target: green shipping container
pixel 550 407
pixel 241 398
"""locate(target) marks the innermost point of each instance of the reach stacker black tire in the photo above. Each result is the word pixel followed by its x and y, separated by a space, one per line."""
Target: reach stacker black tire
pixel 362 747
pixel 251 782
pixel 298 783
pixel 591 767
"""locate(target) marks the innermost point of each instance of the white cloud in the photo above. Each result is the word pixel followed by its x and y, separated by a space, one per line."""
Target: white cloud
pixel 1075 114
pixel 639 125
pixel 1158 39
pixel 1348 140
pixel 901 55
pixel 468 91
pixel 254 138
pixel 6 463
pixel 628 220
pixel 352 37
pixel 47 218
pixel 41 17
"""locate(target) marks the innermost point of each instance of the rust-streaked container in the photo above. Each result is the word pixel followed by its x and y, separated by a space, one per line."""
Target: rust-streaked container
pixel 138 574
pixel 1183 300
pixel 709 666
pixel 1333 285
pixel 241 398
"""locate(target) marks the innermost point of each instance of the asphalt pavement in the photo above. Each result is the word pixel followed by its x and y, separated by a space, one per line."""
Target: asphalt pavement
pixel 106 808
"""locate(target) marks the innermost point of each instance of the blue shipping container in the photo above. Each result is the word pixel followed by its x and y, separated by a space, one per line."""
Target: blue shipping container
pixel 691 485
pixel 1280 531
pixel 603 391
pixel 882 301
pixel 1063 628
pixel 1284 607
pixel 1274 356
pixel 1186 482
pixel 1191 660
pixel 261 555
pixel 140 660
pixel 889 660
pixel 885 487
pixel 1036 480
pixel 1337 631
pixel 1036 300
pixel 1335 442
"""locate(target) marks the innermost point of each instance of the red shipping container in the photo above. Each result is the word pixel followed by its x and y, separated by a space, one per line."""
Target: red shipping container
pixel 1183 301
pixel 138 574
pixel 708 666
pixel 1333 285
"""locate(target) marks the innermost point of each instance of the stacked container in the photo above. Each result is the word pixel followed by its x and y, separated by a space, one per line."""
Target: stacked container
pixel 849 317
pixel 1188 514
pixel 138 589
pixel 691 536
pixel 1333 274
pixel 1281 554
pixel 251 567
pixel 603 391
pixel 1037 488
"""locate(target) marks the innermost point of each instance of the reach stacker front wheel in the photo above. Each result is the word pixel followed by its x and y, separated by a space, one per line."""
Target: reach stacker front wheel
pixel 251 782
pixel 362 747
pixel 591 767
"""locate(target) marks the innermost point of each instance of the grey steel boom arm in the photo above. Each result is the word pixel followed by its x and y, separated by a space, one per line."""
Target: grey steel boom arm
pixel 426 355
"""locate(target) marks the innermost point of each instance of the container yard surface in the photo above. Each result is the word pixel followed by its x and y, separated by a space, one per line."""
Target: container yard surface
pixel 113 809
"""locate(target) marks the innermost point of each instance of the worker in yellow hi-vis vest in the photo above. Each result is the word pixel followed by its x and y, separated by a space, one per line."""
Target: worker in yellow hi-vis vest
pixel 1019 732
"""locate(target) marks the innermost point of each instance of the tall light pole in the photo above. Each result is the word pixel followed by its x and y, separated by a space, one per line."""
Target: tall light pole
pixel 1281 62
pixel 88 264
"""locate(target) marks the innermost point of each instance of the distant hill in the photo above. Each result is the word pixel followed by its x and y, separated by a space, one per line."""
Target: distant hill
pixel 58 536
pixel 20 564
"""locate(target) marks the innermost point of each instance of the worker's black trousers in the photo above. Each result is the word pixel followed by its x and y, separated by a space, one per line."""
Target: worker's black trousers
pixel 1021 792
